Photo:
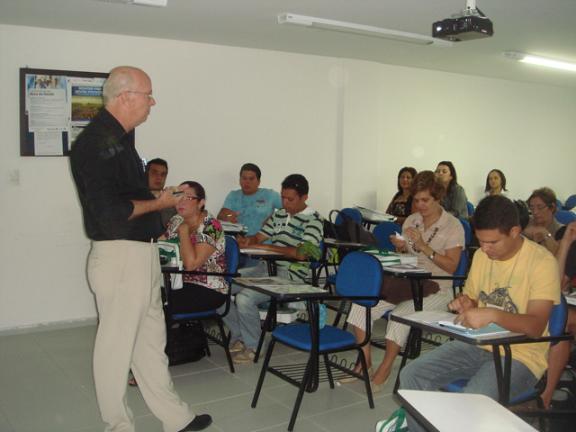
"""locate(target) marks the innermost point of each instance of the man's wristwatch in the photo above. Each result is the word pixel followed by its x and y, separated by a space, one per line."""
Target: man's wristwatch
pixel 432 255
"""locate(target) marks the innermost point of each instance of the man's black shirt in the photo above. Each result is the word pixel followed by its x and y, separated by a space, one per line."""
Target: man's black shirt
pixel 109 174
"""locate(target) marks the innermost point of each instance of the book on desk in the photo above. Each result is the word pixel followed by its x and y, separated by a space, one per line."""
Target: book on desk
pixel 396 262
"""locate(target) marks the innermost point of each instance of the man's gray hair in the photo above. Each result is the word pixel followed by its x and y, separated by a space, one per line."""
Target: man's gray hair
pixel 121 78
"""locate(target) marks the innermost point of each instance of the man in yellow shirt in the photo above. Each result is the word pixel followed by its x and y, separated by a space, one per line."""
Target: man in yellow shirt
pixel 513 282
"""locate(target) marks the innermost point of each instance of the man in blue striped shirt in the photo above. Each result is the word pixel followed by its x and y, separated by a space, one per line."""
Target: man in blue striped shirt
pixel 289 231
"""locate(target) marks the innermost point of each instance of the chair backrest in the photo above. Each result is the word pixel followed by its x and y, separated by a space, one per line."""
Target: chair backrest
pixel 360 274
pixel 570 202
pixel 467 231
pixel 461 270
pixel 470 208
pixel 383 231
pixel 558 317
pixel 352 213
pixel 232 257
pixel 565 216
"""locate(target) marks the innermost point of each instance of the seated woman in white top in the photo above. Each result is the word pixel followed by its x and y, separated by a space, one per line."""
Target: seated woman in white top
pixel 496 183
pixel 437 238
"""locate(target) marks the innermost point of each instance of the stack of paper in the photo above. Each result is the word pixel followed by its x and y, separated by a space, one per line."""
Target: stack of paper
pixel 405 268
pixel 372 214
pixel 233 228
pixel 392 257
pixel 571 299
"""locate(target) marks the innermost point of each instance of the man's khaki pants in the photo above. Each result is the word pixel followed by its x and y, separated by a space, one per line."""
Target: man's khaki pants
pixel 125 278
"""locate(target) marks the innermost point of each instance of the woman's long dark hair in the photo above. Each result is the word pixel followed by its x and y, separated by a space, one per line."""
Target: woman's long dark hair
pixel 454 180
pixel 402 171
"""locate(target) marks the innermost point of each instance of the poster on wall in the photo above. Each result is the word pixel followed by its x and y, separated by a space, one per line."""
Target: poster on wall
pixel 55 106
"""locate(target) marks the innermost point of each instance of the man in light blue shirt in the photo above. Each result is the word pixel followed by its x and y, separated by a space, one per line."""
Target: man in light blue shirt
pixel 250 205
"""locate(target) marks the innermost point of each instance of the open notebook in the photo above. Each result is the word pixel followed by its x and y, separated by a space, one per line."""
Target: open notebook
pixel 445 321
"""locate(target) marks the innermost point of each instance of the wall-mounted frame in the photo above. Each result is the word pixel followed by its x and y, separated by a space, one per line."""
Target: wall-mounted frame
pixel 55 106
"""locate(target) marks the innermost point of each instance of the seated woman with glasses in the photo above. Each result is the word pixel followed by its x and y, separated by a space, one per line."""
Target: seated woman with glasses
pixel 202 248
pixel 401 204
pixel 543 226
pixel 436 238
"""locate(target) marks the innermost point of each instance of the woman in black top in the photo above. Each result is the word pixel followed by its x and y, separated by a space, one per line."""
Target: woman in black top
pixel 401 204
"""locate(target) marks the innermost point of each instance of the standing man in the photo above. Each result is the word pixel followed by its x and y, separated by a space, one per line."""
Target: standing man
pixel 122 220
pixel 157 172
pixel 250 205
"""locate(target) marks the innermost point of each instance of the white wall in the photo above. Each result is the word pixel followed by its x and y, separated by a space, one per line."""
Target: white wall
pixel 347 125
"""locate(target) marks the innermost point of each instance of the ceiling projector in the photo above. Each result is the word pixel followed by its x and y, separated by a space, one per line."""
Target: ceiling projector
pixel 470 24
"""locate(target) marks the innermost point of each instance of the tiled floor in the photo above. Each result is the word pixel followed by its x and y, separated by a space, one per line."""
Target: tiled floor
pixel 46 386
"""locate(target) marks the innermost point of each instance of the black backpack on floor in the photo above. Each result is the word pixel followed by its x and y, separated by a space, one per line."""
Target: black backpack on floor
pixel 185 343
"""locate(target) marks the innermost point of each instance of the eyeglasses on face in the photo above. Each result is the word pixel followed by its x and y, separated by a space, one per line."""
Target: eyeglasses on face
pixel 537 207
pixel 191 198
pixel 148 95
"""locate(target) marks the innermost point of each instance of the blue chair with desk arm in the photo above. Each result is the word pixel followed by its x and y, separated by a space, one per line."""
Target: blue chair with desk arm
pixel 556 329
pixel 232 255
pixel 359 279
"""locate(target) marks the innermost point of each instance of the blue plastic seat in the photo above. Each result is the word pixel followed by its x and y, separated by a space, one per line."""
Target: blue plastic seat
pixel 352 213
pixel 360 274
pixel 383 231
pixel 570 202
pixel 232 254
pixel 565 216
pixel 461 271
pixel 470 208
pixel 467 231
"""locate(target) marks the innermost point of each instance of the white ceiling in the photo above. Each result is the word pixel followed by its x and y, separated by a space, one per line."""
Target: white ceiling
pixel 542 27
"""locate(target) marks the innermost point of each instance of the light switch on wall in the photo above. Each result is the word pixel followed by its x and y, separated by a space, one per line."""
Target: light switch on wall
pixel 14 177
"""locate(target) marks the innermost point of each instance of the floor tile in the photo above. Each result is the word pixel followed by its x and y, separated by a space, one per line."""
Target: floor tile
pixel 46 384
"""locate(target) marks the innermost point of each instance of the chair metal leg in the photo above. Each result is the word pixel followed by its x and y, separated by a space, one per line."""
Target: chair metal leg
pixel 206 347
pixel 303 385
pixel 226 345
pixel 366 377
pixel 263 373
pixel 409 344
pixel 269 325
pixel 328 370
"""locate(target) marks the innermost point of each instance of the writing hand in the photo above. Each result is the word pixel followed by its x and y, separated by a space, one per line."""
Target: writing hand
pixel 476 317
pixel 461 304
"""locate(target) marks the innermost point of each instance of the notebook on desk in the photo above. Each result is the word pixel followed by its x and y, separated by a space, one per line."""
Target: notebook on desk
pixel 489 330
pixel 445 321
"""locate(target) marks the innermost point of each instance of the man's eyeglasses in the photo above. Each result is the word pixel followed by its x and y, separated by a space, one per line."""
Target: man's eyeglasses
pixel 537 208
pixel 148 95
